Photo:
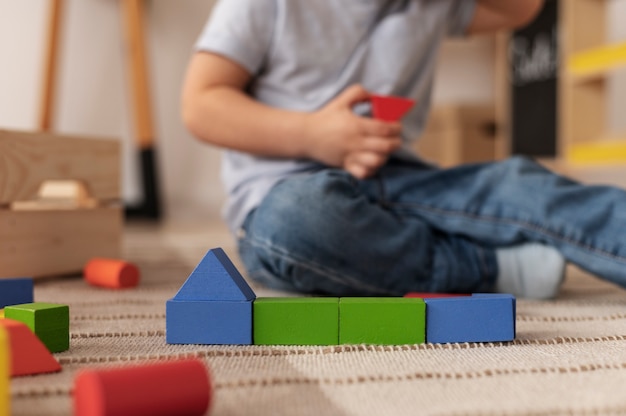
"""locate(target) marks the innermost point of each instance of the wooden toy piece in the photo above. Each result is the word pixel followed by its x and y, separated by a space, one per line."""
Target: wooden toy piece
pixel 49 321
pixel 111 273
pixel 296 321
pixel 5 362
pixel 160 389
pixel 215 278
pixel 478 318
pixel 208 322
pixel 28 354
pixel 428 295
pixel 15 291
pixel 214 305
pixel 61 240
pixel 383 321
pixel 390 108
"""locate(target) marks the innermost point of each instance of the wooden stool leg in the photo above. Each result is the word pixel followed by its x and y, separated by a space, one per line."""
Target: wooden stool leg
pixel 133 15
pixel 46 110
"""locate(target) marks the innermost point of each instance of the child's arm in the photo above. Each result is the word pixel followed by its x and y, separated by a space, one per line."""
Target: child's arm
pixel 216 109
pixel 493 15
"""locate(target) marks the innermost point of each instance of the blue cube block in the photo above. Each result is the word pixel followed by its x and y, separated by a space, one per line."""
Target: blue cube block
pixel 477 318
pixel 208 322
pixel 16 291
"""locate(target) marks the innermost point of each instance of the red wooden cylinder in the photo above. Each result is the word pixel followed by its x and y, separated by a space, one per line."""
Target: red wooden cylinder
pixel 111 273
pixel 180 388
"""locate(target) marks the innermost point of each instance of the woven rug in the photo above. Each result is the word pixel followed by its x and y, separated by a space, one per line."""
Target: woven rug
pixel 569 356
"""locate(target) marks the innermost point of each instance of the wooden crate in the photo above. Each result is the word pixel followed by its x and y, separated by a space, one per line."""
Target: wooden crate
pixel 45 234
pixel 457 134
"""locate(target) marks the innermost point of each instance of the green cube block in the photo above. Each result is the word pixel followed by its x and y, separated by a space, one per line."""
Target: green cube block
pixel 296 321
pixel 49 321
pixel 40 316
pixel 382 321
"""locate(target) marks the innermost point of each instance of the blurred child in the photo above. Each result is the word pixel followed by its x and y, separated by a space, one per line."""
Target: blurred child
pixel 325 199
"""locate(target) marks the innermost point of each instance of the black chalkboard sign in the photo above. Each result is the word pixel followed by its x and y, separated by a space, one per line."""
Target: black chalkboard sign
pixel 533 57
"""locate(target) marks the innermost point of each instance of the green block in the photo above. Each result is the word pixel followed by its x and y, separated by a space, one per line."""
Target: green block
pixel 382 321
pixel 40 316
pixel 56 340
pixel 296 321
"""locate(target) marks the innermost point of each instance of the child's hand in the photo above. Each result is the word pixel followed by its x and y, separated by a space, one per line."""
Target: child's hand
pixel 337 137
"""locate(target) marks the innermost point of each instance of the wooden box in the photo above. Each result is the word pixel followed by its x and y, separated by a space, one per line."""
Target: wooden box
pixel 59 203
pixel 457 134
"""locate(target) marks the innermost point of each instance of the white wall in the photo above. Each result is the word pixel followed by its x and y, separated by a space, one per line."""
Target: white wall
pixel 92 95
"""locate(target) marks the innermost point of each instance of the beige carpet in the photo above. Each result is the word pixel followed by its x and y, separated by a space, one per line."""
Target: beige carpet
pixel 569 356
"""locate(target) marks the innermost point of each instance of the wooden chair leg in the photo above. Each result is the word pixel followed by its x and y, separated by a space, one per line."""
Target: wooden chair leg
pixel 48 91
pixel 137 69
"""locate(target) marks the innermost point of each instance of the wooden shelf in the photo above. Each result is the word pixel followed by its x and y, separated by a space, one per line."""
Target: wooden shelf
pixel 587 61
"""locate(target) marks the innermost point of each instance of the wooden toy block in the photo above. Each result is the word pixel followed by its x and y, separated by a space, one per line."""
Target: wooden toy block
pixel 214 305
pixel 5 392
pixel 215 278
pixel 383 321
pixel 160 389
pixel 15 291
pixel 478 318
pixel 296 321
pixel 49 321
pixel 111 273
pixel 44 233
pixel 390 108
pixel 208 322
pixel 27 353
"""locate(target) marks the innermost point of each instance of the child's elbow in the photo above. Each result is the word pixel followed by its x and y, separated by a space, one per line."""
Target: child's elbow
pixel 190 114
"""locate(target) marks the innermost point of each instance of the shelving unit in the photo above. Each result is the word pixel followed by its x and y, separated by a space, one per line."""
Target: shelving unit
pixel 587 62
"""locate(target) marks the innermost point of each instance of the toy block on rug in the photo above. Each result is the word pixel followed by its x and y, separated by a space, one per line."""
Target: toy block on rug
pixel 296 321
pixel 49 321
pixel 478 318
pixel 390 108
pixel 214 305
pixel 382 321
pixel 14 291
pixel 27 353
pixel 111 273
pixel 5 392
pixel 160 389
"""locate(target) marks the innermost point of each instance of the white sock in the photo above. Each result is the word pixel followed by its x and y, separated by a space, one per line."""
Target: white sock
pixel 533 271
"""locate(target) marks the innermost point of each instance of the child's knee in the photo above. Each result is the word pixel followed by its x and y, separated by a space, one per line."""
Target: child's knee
pixel 307 207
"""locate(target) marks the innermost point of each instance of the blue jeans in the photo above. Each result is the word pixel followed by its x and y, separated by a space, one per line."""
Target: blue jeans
pixel 415 227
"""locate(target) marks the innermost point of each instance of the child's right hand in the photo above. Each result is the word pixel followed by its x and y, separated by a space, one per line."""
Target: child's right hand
pixel 336 136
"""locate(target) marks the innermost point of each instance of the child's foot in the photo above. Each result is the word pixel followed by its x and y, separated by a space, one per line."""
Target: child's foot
pixel 533 271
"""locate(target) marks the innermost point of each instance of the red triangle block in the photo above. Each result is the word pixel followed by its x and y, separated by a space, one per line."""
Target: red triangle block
pixel 390 108
pixel 28 354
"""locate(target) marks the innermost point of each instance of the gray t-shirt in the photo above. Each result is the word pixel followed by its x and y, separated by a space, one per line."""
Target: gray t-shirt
pixel 302 53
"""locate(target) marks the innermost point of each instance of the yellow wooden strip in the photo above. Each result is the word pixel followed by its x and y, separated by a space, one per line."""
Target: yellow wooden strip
pixel 607 151
pixel 5 393
pixel 598 60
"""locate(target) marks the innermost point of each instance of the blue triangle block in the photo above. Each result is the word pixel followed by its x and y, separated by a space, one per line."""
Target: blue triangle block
pixel 215 278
